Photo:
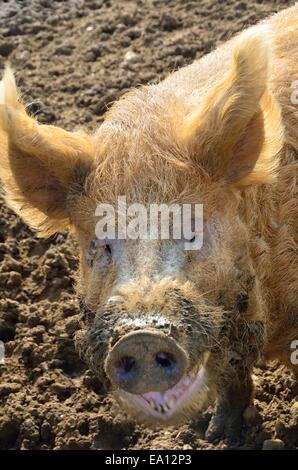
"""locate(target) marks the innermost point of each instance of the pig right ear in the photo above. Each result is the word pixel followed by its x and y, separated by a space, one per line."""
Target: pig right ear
pixel 41 166
pixel 236 133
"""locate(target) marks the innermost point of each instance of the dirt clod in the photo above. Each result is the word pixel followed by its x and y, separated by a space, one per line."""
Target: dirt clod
pixel 273 444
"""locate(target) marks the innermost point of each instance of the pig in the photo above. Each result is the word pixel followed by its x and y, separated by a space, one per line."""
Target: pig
pixel 164 328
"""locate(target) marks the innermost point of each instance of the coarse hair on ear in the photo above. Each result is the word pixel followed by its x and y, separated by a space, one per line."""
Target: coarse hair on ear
pixel 40 165
pixel 237 132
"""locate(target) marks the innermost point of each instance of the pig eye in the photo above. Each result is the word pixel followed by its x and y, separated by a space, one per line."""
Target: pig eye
pixel 108 249
pixel 94 254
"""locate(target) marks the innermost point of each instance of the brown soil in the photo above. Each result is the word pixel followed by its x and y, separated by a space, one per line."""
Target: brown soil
pixel 71 59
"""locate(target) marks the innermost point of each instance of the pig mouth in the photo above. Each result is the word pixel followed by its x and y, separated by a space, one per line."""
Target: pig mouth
pixel 164 406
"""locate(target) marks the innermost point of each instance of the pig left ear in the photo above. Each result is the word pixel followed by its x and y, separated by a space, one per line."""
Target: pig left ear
pixel 237 133
pixel 42 167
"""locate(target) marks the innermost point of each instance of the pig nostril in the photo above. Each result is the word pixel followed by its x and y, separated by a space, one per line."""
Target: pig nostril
pixel 165 360
pixel 126 363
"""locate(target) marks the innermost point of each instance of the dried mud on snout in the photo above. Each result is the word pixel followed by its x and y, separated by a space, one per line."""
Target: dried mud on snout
pixel 71 62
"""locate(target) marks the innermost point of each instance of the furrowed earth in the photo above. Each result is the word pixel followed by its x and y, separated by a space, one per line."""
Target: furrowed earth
pixel 72 60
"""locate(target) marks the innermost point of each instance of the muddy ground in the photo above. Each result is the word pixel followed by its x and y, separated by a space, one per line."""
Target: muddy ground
pixel 73 58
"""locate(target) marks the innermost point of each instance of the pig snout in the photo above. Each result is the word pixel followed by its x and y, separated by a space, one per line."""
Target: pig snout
pixel 144 361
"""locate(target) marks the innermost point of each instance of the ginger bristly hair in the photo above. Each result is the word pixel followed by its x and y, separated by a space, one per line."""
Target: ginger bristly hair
pixel 155 145
pixel 165 146
pixel 40 165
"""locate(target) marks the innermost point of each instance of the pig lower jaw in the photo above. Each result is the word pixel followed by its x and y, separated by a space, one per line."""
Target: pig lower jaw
pixel 164 406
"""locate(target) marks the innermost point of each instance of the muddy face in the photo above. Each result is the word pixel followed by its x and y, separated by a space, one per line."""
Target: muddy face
pixel 154 313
